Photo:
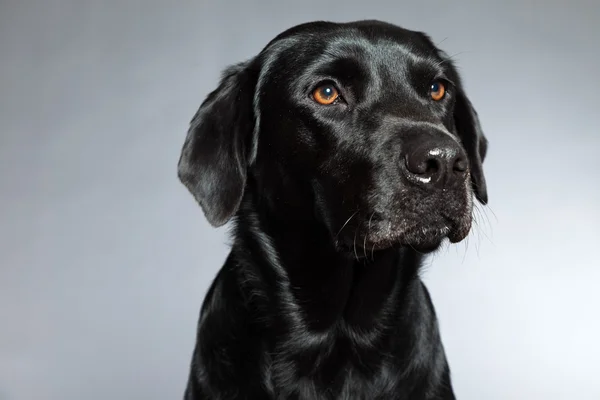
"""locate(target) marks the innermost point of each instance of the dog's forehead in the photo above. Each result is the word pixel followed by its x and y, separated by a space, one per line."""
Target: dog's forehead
pixel 381 52
pixel 391 49
pixel 374 44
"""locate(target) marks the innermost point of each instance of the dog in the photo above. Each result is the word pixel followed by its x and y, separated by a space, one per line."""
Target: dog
pixel 341 155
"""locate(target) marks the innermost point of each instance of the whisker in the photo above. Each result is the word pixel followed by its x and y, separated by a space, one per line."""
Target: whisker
pixel 346 223
pixel 487 207
pixel 354 241
pixel 368 233
pixel 447 59
pixel 456 54
pixel 483 214
pixel 441 41
pixel 478 243
pixel 476 231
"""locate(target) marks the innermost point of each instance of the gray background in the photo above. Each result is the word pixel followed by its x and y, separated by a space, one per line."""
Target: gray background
pixel 105 257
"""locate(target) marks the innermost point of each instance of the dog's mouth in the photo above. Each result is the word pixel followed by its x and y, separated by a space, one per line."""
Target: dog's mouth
pixel 424 236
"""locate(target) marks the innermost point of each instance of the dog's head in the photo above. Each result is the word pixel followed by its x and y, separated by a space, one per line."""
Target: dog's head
pixel 369 119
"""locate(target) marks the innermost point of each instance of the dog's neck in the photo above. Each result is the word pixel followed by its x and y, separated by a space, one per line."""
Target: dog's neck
pixel 329 287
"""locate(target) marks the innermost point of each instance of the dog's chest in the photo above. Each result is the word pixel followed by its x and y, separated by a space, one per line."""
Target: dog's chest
pixel 336 368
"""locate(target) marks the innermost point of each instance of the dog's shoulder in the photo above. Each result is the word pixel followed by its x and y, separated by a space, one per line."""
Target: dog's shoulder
pixel 229 344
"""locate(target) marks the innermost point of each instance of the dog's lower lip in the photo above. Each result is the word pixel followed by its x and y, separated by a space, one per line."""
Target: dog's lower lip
pixel 455 238
pixel 417 238
pixel 457 234
pixel 427 247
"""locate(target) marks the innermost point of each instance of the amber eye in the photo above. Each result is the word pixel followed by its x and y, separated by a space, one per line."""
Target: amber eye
pixel 325 94
pixel 437 90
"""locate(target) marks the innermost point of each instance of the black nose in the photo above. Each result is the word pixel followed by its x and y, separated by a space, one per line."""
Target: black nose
pixel 436 163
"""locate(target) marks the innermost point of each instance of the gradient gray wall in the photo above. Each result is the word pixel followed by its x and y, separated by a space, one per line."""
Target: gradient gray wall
pixel 105 257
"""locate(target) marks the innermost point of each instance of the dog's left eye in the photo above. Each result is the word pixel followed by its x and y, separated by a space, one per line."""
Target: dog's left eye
pixel 325 94
pixel 437 90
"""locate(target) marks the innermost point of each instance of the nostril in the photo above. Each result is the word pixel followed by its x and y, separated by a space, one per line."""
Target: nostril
pixel 432 166
pixel 419 165
pixel 460 165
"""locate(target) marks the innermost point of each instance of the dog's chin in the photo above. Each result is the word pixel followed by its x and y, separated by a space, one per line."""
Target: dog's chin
pixel 423 239
pixel 426 246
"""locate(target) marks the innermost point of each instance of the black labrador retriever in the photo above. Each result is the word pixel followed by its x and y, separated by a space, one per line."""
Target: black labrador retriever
pixel 343 152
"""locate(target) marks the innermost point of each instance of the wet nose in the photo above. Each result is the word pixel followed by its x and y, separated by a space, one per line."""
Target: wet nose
pixel 436 163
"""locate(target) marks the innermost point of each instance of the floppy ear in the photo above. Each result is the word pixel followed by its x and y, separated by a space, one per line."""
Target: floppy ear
pixel 474 141
pixel 215 155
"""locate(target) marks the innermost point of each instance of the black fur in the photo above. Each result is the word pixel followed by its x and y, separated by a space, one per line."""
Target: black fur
pixel 332 207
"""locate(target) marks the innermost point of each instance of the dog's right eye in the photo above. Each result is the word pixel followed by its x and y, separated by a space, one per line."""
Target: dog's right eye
pixel 326 94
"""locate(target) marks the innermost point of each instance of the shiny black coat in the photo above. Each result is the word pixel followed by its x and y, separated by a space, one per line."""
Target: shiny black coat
pixel 332 207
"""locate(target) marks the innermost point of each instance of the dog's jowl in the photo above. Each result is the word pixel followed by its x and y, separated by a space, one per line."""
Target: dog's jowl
pixel 341 154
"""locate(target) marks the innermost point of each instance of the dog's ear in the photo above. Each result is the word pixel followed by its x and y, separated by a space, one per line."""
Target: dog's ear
pixel 474 141
pixel 217 149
